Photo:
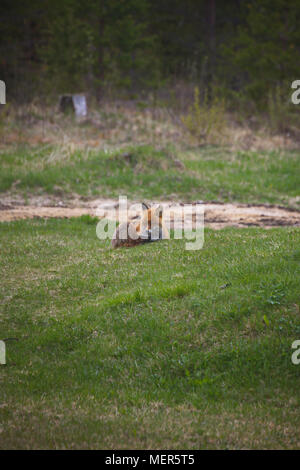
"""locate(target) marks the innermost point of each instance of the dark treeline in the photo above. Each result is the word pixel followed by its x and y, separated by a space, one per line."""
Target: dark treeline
pixel 238 47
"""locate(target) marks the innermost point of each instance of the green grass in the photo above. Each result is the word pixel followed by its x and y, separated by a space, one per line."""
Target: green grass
pixel 151 347
pixel 209 173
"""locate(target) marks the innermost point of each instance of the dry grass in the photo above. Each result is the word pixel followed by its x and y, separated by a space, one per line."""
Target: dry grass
pixel 110 125
pixel 245 426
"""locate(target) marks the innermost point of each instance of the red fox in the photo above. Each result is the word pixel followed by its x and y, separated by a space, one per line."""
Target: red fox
pixel 148 228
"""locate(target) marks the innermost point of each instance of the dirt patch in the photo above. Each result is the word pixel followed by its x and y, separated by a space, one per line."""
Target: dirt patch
pixel 217 215
pixel 239 215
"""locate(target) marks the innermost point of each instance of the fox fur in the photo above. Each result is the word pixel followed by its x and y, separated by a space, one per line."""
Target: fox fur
pixel 148 228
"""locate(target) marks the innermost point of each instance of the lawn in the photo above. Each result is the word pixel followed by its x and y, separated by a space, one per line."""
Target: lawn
pixel 208 173
pixel 156 346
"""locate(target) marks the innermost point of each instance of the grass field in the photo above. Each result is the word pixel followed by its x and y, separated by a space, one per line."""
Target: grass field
pixel 209 173
pixel 152 347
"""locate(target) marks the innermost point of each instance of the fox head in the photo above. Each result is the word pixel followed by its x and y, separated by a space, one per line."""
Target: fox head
pixel 153 215
pixel 151 224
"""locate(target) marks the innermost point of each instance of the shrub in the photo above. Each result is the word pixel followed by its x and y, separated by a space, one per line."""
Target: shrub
pixel 205 121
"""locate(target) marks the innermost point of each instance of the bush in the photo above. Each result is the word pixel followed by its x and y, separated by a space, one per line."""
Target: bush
pixel 205 121
pixel 282 114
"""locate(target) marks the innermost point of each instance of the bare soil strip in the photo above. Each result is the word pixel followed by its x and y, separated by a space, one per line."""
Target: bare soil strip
pixel 217 215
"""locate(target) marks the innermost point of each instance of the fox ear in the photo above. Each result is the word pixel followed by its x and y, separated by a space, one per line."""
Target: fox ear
pixel 145 206
pixel 158 209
